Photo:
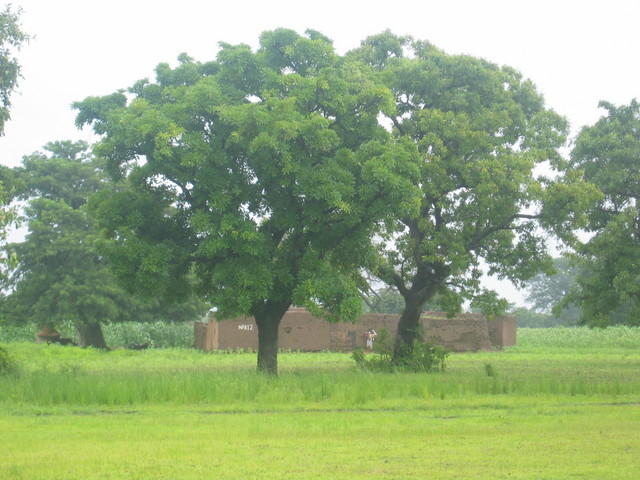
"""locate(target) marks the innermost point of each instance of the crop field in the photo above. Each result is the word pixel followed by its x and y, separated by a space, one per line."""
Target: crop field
pixel 562 404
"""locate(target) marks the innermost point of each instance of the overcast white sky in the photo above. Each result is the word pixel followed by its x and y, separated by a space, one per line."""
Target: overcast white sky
pixel 577 52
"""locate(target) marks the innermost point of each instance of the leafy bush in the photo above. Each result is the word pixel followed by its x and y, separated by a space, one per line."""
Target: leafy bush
pixel 490 370
pixel 424 357
pixel 7 364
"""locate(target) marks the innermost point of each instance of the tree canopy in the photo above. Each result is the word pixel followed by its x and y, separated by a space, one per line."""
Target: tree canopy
pixel 60 275
pixel 480 131
pixel 267 174
pixel 608 284
pixel 263 172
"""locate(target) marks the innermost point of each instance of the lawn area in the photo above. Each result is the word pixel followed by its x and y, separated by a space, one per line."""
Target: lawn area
pixel 546 409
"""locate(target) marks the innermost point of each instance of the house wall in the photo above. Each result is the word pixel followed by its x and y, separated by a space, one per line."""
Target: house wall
pixel 301 331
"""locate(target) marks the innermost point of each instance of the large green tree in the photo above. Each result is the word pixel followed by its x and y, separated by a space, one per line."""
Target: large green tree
pixel 60 274
pixel 264 171
pixel 480 131
pixel 608 283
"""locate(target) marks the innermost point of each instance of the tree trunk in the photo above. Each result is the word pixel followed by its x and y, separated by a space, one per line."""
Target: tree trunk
pixel 408 327
pixel 268 317
pixel 91 336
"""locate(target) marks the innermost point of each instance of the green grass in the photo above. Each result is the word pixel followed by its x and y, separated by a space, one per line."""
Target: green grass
pixel 557 406
pixel 552 442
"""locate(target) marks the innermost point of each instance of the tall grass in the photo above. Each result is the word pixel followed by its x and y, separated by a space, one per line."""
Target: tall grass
pixel 248 391
pixel 52 375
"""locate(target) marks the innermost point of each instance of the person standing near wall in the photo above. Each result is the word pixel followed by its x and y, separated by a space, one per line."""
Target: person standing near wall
pixel 370 336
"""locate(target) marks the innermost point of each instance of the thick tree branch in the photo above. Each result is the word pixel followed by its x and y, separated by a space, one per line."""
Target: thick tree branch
pixel 480 236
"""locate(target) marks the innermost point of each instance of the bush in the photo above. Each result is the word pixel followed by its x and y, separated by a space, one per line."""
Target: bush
pixel 424 357
pixel 8 365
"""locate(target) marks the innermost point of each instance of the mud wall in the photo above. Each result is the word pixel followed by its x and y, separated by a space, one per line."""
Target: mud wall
pixel 300 331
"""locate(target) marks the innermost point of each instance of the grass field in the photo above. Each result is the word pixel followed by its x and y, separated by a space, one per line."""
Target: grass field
pixel 563 404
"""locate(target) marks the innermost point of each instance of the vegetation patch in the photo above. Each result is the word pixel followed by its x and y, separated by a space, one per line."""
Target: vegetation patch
pixel 423 357
pixel 7 364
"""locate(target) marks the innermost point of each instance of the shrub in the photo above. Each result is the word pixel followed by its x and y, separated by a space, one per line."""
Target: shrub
pixel 424 357
pixel 7 364
pixel 490 370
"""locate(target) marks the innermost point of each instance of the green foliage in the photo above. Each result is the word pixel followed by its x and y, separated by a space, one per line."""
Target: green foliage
pixel 8 217
pixel 607 287
pixel 423 357
pixel 490 370
pixel 8 365
pixel 12 38
pixel 59 275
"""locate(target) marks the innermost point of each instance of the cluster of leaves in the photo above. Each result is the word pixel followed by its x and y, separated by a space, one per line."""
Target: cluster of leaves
pixel 12 38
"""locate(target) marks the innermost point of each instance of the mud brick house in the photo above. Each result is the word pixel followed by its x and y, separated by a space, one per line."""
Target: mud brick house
pixel 299 330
